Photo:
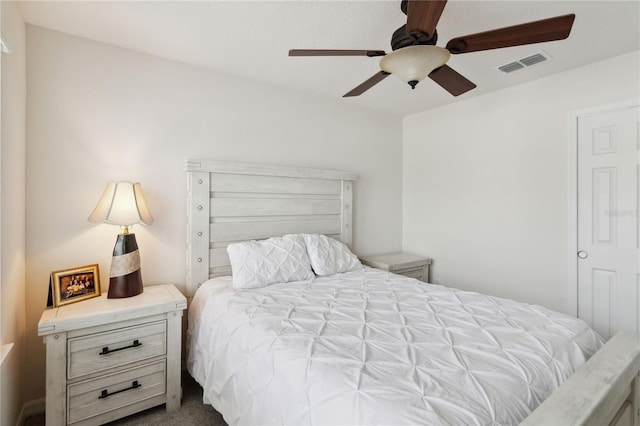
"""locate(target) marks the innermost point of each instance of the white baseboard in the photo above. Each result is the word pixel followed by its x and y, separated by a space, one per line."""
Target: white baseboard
pixel 31 408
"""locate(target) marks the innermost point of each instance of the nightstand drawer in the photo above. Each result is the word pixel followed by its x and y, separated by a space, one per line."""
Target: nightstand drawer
pixel 97 398
pixel 409 265
pixel 411 272
pixel 102 351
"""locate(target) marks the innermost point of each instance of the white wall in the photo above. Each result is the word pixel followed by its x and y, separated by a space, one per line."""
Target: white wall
pixel 97 113
pixel 485 182
pixel 12 211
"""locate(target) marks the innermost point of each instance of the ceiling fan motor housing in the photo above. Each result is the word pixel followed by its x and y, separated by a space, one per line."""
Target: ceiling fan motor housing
pixel 401 39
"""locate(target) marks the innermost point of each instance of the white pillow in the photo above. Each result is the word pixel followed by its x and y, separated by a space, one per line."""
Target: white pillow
pixel 276 260
pixel 329 256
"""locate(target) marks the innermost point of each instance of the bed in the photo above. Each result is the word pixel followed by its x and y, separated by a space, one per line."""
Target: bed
pixel 364 346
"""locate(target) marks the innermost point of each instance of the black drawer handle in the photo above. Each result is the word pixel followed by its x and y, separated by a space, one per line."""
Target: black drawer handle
pixel 105 393
pixel 106 350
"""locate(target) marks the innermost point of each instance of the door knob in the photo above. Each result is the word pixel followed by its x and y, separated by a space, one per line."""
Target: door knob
pixel 583 254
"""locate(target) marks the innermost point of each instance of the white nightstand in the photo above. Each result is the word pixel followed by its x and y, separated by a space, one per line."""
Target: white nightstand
pixel 109 358
pixel 406 264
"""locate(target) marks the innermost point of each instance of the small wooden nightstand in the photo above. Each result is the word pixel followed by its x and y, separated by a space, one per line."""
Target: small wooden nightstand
pixel 109 358
pixel 406 264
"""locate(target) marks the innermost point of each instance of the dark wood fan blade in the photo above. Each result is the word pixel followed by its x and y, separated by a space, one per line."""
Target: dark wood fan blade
pixel 451 80
pixel 328 52
pixel 377 78
pixel 551 29
pixel 423 15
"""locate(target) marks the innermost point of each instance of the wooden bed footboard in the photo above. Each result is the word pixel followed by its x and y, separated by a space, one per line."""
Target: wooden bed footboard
pixel 603 391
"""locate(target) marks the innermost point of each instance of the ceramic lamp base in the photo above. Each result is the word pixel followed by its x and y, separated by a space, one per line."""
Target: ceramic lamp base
pixel 125 278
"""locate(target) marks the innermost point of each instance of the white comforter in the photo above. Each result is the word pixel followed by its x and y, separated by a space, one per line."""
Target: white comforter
pixel 370 347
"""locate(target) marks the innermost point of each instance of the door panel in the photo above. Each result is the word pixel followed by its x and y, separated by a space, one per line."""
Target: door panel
pixel 608 223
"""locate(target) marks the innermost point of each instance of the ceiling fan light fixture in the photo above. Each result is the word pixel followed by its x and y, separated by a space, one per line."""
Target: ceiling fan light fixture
pixel 413 64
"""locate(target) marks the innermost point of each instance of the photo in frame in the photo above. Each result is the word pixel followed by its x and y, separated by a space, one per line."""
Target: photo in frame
pixel 73 285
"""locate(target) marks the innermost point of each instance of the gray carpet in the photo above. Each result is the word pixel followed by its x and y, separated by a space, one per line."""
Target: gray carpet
pixel 192 411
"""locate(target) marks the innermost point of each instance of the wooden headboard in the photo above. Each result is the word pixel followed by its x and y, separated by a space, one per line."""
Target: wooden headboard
pixel 229 202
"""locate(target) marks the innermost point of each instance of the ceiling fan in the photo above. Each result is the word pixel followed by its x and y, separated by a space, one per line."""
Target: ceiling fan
pixel 415 56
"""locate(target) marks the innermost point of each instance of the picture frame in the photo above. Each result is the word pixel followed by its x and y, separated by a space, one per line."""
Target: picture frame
pixel 75 284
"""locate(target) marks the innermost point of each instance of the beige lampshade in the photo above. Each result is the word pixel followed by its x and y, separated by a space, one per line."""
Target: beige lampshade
pixel 122 204
pixel 414 63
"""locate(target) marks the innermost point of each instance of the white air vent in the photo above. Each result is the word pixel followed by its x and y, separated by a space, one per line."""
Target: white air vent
pixel 513 66
pixel 525 62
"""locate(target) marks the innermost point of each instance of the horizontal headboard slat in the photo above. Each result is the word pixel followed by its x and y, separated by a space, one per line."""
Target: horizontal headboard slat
pixel 245 231
pixel 243 207
pixel 225 182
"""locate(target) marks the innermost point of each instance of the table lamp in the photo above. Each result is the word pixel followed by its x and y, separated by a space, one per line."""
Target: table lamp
pixel 123 204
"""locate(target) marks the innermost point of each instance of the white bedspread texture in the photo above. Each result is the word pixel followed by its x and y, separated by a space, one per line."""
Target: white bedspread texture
pixel 371 347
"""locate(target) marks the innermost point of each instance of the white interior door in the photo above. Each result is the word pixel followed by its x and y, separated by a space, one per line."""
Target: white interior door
pixel 608 223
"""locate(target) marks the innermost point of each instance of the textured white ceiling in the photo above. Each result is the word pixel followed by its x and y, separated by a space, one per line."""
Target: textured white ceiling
pixel 251 39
